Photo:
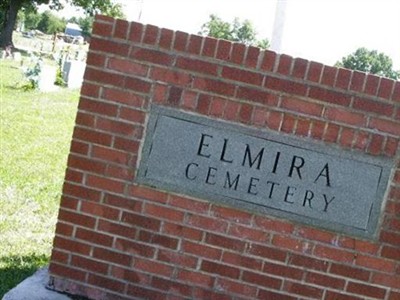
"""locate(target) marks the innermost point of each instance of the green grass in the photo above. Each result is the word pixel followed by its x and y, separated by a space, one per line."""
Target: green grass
pixel 35 134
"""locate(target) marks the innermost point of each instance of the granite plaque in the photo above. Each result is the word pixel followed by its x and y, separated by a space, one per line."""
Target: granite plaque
pixel 264 172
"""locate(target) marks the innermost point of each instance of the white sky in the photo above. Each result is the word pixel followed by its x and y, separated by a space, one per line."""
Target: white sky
pixel 323 31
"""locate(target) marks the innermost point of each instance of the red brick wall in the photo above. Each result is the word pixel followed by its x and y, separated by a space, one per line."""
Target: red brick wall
pixel 118 240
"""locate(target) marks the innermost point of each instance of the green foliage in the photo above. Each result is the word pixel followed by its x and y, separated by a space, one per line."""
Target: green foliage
pixel 106 7
pixel 370 61
pixel 32 19
pixel 237 31
pixel 36 130
pixel 50 24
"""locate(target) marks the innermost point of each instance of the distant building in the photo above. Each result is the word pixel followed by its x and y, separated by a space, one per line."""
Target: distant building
pixel 73 29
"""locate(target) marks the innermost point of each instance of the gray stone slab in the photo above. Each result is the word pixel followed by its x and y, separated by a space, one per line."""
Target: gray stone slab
pixel 34 288
pixel 264 172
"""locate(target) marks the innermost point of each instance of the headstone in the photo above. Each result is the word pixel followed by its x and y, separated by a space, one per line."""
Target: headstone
pixel 47 78
pixel 73 71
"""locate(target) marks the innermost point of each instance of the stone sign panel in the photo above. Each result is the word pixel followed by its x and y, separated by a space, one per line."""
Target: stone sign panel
pixel 264 172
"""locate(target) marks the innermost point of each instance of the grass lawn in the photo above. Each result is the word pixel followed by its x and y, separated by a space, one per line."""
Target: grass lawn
pixel 35 134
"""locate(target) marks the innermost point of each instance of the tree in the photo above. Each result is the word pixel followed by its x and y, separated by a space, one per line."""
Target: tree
pixel 370 61
pixel 236 31
pixel 50 24
pixel 9 10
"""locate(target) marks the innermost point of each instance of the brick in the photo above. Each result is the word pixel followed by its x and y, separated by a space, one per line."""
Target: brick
pixel 308 262
pixel 81 192
pixel 171 285
pixel 248 233
pixel 301 106
pixel 376 144
pixel 118 201
pixel 109 47
pixel 231 214
pixel 174 95
pixel 109 154
pixel 264 294
pixel 372 106
pixel 317 129
pixel 223 49
pixel 103 77
pixel 314 71
pixel 282 271
pixel 106 283
pixel 217 106
pixel 209 46
pixel 242 75
pixel 302 289
pixel 98 210
pixel 366 290
pixel 385 88
pixel 329 75
pixel 144 293
pixel 231 110
pixel 160 240
pixel 150 34
pixel 390 252
pixel 127 67
pixel 331 133
pixel 95 59
pixel 259 96
pixel 101 108
pixel 203 104
pixel 361 140
pixel 128 247
pixel 388 280
pixel 375 263
pixel 182 231
pixel 267 252
pixel 137 85
pixel 123 96
pixel 225 242
pixel 357 81
pixel 220 269
pixel 236 287
pixel 259 116
pixel 76 219
pixel 89 264
pixel 238 53
pixel 121 29
pixel 343 78
pixel 93 237
pixel 245 113
pixel 333 254
pixel 136 32
pixel 90 90
pixel 325 281
pixel 358 245
pixel 195 278
pixel 330 295
pixel 189 99
pixel 300 68
pixel 59 257
pixel 72 246
pixel 84 119
pixel 147 193
pixel 274 120
pixel 261 280
pixel 214 86
pixel 346 137
pixel 329 96
pixel 391 146
pixel 102 29
pixel 141 221
pixel 273 225
pixel 207 223
pixel 126 144
pixel 181 39
pixel 86 164
pixel 112 256
pixel 166 38
pixel 290 87
pixel 163 212
pixel 396 92
pixel 177 258
pixel 196 65
pixel 268 63
pixel 345 116
pixel 201 250
pixel 385 126
pixel 371 84
pixel 388 237
pixel 151 56
pixel 251 59
pixel 316 235
pixel 394 295
pixel 194 206
pixel 67 272
pixel 116 229
pixel 194 44
pixel 285 64
pixel 242 261
pixel 290 243
pixel 288 124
